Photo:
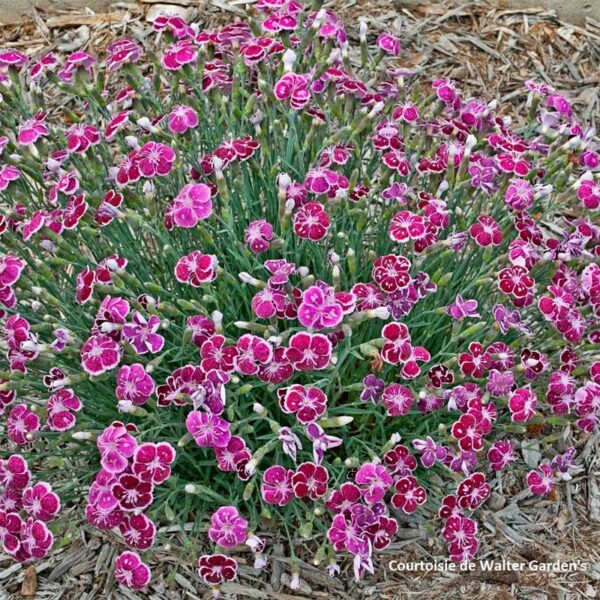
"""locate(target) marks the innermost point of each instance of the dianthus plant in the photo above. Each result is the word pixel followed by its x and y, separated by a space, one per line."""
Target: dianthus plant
pixel 258 281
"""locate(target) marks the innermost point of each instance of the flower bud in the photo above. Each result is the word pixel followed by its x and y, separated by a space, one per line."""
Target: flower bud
pixel 190 488
pixel 132 142
pixel 84 436
pixel 336 421
pixel 146 125
pixel 362 31
pixel 259 409
pixel 289 58
pixel 248 490
pixel 247 278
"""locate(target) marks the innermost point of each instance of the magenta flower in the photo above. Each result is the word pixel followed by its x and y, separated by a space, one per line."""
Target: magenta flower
pixel 182 118
pixel 406 226
pixel 473 491
pixel 215 355
pixel 258 236
pixel 294 87
pixel 310 480
pixel 440 375
pixel 35 541
pixel 311 222
pixel 321 441
pixel 522 404
pixel 308 352
pixel 215 569
pixel 430 451
pixel 542 482
pixel 307 403
pixel 476 362
pixel 391 272
pixel 234 454
pixel 319 309
pixel 196 268
pixel 397 346
pixel 60 408
pixel 179 54
pixel 152 462
pixel 398 349
pixel 11 268
pixel 278 370
pixel 375 481
pixel 533 362
pixel 14 472
pixel 459 530
pixel 40 502
pixel 155 159
pixel 389 44
pixel 382 532
pixel 99 354
pixel 85 285
pixel 501 454
pixel 202 328
pixel 13 58
pixel 116 446
pixel 252 352
pixel 589 193
pixel 519 194
pixel 131 572
pixel 81 137
pixel 347 536
pixel 344 499
pixel 122 51
pixel 141 334
pixel 208 430
pixel 138 531
pixel 368 296
pixel 409 495
pixel 192 205
pixel 134 384
pixel 397 399
pixel 78 61
pixel 10 531
pixel 132 493
pixel 462 309
pixel 399 461
pixel 517 282
pixel 486 232
pixel 119 122
pixel 468 432
pixel 268 302
pixel 276 487
pixel 22 424
pixel 32 130
pixel 227 528
pixel 10 173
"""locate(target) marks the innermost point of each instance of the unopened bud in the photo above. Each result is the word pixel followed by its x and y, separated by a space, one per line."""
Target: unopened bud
pixel 289 58
pixel 132 142
pixel 146 125
pixel 83 436
pixel 362 31
pixel 336 422
pixel 247 278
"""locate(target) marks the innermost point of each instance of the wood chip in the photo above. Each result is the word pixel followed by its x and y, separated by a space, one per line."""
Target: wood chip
pixel 82 19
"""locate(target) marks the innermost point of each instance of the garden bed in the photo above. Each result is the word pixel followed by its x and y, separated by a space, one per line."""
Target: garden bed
pixel 488 51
